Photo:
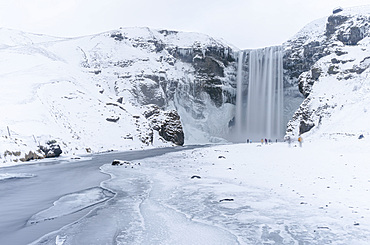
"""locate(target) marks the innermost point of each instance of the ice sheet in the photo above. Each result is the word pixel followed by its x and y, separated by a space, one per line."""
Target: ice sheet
pixel 72 203
pixel 7 176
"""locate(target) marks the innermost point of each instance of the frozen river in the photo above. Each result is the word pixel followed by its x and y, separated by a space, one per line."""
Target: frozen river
pixel 231 194
pixel 78 199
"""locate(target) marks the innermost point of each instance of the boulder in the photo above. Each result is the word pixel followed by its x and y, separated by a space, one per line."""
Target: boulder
pixel 337 10
pixel 120 162
pixel 112 119
pixel 227 200
pixel 52 149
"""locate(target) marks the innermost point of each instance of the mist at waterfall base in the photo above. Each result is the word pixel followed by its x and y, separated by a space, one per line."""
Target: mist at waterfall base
pixel 259 99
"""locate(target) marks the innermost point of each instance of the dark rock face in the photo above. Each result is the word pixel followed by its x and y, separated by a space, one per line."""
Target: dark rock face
pixel 344 29
pixel 210 64
pixel 296 62
pixel 305 127
pixel 333 22
pixel 315 73
pixel 167 123
pixel 351 36
pixel 307 79
pixel 172 131
pixel 227 200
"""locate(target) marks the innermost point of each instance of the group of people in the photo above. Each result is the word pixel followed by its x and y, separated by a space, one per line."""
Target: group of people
pixel 262 141
pixel 286 139
pixel 267 141
pixel 289 140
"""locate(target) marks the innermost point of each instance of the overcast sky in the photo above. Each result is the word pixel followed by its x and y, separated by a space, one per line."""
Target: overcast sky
pixel 243 23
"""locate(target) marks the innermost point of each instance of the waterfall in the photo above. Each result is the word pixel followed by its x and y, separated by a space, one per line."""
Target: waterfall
pixel 239 93
pixel 259 102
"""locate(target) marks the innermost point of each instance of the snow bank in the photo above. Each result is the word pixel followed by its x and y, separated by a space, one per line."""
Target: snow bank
pixel 317 194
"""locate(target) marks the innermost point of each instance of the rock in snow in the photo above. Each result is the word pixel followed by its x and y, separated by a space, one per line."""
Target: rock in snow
pixel 51 149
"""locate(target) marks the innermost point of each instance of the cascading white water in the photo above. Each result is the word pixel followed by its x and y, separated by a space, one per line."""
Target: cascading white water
pixel 239 93
pixel 259 103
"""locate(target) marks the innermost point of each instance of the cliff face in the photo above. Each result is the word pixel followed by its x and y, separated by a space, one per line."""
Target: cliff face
pixel 188 72
pixel 329 61
pixel 124 89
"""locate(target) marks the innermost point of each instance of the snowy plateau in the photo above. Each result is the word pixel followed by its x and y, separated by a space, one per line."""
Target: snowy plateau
pixel 138 88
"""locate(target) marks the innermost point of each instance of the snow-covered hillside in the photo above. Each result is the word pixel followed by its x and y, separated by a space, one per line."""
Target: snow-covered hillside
pixel 335 58
pixel 135 87
pixel 97 93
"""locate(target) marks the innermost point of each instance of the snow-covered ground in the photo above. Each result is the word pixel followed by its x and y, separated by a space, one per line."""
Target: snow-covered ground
pixel 236 194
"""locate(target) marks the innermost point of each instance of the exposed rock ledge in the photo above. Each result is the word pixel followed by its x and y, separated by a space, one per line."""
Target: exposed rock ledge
pixel 167 123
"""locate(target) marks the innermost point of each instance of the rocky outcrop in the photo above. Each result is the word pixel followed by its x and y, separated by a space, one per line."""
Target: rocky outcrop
pixel 335 51
pixel 347 29
pixel 171 128
pixel 317 40
pixel 112 119
pixel 167 123
pixel 52 149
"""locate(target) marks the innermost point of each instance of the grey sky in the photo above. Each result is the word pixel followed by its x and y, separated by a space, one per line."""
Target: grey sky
pixel 243 23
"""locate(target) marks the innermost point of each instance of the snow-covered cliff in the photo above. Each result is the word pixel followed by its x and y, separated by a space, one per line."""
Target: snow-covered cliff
pixel 329 60
pixel 120 90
